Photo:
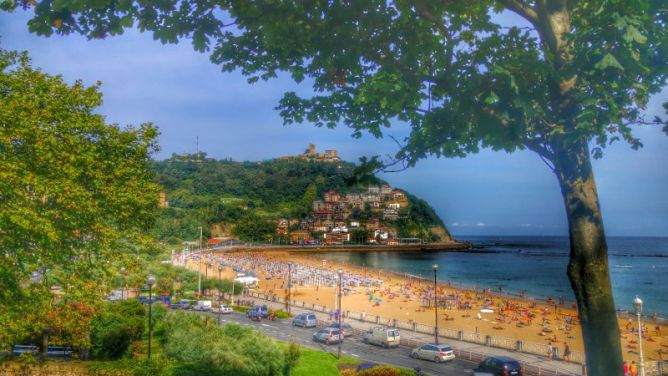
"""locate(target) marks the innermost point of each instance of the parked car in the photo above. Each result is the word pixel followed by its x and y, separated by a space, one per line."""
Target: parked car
pixel 345 328
pixel 183 304
pixel 305 320
pixel 24 349
pixel 59 351
pixel 432 351
pixel 202 306
pixel 501 366
pixel 262 311
pixel 328 336
pixel 381 336
pixel 223 309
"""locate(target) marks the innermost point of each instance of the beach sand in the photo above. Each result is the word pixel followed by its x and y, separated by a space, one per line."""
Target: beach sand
pixel 400 300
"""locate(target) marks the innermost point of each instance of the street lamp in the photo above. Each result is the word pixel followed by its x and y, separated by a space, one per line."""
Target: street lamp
pixel 124 292
pixel 150 282
pixel 289 289
pixel 435 268
pixel 637 303
pixel 340 272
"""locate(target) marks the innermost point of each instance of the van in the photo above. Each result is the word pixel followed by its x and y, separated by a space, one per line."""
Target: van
pixel 381 336
pixel 305 320
pixel 202 305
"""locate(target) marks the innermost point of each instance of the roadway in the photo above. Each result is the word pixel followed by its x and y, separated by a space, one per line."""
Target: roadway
pixel 352 346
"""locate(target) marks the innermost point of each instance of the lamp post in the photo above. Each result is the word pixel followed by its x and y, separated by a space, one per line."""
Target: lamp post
pixel 150 282
pixel 199 265
pixel 288 291
pixel 124 291
pixel 435 268
pixel 637 303
pixel 232 299
pixel 340 273
pixel 220 270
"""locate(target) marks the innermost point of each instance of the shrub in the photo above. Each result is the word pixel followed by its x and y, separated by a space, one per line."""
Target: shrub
pixel 385 371
pixel 115 327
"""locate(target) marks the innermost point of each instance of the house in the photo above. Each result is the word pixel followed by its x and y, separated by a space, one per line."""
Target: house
pixel 354 224
pixel 385 189
pixel 218 241
pixel 300 236
pixel 319 226
pixel 373 189
pixel 332 196
pixel 395 204
pixel 336 237
pixel 319 205
pixel 372 223
pixel 397 195
pixel 282 227
pixel 390 214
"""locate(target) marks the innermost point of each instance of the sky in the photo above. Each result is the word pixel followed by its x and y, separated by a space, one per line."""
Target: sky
pixel 189 98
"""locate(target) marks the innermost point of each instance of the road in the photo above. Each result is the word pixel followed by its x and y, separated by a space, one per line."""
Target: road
pixel 353 346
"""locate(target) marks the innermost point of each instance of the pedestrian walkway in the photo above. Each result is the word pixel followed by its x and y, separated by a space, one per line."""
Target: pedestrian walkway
pixel 533 364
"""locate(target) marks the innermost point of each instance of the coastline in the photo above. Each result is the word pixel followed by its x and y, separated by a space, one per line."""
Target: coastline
pixel 430 247
pixel 403 299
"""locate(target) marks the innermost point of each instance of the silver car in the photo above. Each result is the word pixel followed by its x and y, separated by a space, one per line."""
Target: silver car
pixel 305 320
pixel 432 351
pixel 328 336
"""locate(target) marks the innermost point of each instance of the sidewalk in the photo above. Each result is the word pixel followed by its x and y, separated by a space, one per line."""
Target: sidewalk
pixel 533 364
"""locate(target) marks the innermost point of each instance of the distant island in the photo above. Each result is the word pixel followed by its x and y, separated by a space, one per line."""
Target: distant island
pixel 306 199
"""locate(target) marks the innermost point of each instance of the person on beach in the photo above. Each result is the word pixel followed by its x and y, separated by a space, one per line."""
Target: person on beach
pixel 550 351
pixel 567 352
pixel 633 369
pixel 625 368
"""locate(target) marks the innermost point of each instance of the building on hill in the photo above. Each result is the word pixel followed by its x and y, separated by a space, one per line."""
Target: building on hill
pixel 329 156
pixel 162 200
pixel 332 196
pixel 300 237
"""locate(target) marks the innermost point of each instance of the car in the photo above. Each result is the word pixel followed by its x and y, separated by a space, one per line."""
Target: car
pixel 305 320
pixel 431 351
pixel 183 304
pixel 328 336
pixel 223 309
pixel 262 311
pixel 500 366
pixel 24 349
pixel 59 351
pixel 381 336
pixel 345 328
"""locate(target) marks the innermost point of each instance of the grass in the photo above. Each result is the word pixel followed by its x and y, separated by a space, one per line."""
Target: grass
pixel 313 362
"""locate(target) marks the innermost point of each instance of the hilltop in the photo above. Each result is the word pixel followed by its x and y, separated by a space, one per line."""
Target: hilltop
pixel 300 199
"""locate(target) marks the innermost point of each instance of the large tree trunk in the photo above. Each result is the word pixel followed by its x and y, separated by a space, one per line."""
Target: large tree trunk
pixel 588 267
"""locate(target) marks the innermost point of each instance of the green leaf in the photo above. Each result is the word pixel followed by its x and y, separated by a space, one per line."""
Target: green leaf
pixel 633 35
pixel 491 98
pixel 608 61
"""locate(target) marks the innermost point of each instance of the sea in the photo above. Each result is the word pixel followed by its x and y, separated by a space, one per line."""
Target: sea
pixel 535 266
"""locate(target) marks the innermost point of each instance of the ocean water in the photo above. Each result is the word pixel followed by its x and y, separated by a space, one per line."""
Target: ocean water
pixel 536 265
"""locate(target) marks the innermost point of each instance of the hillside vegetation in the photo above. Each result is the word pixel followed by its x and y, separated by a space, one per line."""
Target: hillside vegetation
pixel 249 199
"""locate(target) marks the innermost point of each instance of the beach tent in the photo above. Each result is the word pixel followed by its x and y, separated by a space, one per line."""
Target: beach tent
pixel 247 280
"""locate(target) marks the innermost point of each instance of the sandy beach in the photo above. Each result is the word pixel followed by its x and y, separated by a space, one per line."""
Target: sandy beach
pixel 405 298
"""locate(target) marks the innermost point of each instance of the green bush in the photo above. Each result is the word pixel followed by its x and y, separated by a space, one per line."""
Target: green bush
pixel 200 347
pixel 115 327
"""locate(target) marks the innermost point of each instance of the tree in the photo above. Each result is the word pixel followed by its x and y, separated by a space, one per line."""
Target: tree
pixel 573 78
pixel 73 190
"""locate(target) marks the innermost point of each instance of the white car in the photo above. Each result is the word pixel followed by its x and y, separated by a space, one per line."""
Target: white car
pixel 223 308
pixel 431 351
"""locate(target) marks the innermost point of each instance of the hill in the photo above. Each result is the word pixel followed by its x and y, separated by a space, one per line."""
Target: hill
pixel 286 200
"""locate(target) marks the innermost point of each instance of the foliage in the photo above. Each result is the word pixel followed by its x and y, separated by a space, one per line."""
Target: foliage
pixel 157 366
pixel 115 327
pixel 73 191
pixel 313 362
pixel 201 347
pixel 253 196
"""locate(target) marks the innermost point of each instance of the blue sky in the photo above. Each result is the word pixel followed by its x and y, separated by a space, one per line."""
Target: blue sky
pixel 491 193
